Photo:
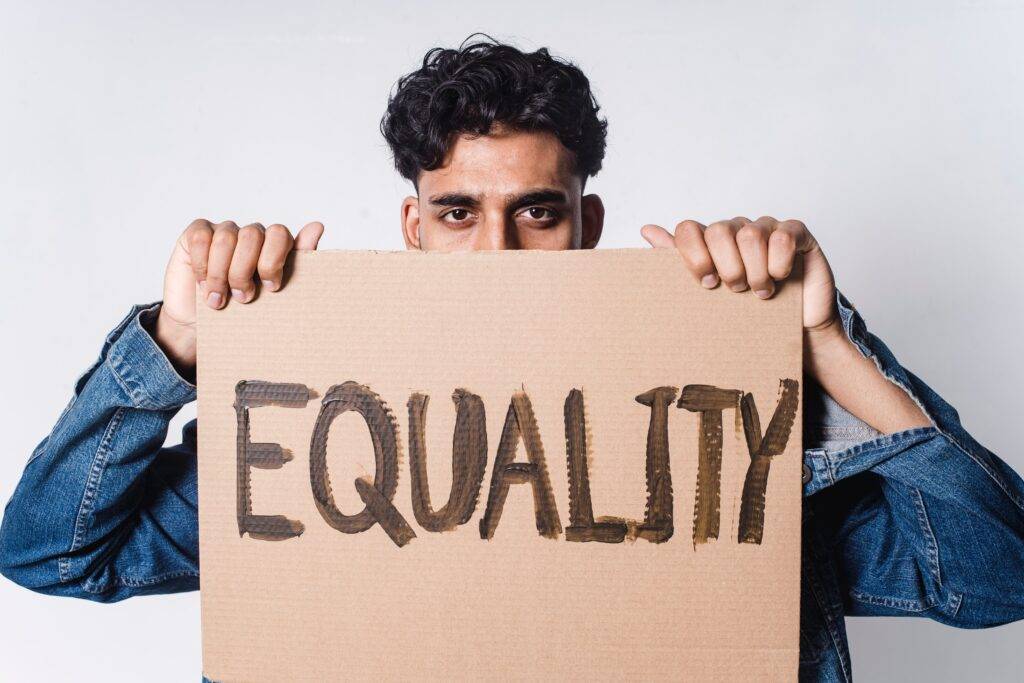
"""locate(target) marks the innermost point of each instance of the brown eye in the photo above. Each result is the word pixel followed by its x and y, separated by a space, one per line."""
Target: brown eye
pixel 458 214
pixel 538 213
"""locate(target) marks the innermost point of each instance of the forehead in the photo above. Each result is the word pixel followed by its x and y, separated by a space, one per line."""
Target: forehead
pixel 502 162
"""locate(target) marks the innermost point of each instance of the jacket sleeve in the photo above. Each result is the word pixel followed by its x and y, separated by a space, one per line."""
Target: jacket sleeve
pixel 926 522
pixel 103 511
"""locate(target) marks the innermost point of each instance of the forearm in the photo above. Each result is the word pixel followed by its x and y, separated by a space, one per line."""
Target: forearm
pixel 856 383
pixel 84 484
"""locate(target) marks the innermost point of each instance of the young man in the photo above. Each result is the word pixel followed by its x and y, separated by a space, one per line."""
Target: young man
pixel 905 513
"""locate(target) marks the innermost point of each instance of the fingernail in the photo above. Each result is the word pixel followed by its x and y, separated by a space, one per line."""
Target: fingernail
pixel 710 281
pixel 763 293
pixel 738 287
pixel 239 294
pixel 214 299
pixel 270 285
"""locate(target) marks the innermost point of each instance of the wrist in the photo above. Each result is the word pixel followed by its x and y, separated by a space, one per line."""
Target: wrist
pixel 177 341
pixel 826 345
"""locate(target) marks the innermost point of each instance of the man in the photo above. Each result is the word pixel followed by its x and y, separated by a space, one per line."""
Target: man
pixel 905 513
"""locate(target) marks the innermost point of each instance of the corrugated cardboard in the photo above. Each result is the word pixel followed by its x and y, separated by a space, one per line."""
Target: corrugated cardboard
pixel 527 603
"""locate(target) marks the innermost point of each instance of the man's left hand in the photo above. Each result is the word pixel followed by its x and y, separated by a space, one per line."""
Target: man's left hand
pixel 745 254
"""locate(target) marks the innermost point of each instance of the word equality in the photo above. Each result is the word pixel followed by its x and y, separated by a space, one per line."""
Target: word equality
pixel 469 462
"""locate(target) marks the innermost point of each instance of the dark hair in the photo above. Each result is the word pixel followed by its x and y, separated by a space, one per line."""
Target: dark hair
pixel 480 84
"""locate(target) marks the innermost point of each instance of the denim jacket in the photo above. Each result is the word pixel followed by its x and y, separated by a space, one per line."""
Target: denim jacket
pixel 924 522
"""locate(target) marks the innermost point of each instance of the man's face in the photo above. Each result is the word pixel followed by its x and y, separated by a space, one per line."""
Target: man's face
pixel 504 190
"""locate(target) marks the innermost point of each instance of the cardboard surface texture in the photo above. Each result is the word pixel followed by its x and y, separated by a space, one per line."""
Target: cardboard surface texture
pixel 500 465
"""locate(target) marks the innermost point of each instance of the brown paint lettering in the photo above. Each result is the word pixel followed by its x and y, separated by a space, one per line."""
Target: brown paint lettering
pixel 762 450
pixel 384 434
pixel 255 394
pixel 521 423
pixel 469 460
pixel 709 401
pixel 582 526
pixel 657 525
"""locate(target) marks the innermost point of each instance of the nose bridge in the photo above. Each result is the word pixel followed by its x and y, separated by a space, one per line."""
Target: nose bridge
pixel 497 231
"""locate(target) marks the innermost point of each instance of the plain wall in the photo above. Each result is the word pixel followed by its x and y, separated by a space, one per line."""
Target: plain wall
pixel 892 129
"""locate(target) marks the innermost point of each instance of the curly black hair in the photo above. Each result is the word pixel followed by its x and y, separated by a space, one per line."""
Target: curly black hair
pixel 480 84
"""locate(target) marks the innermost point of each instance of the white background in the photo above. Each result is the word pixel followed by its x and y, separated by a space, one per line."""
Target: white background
pixel 892 129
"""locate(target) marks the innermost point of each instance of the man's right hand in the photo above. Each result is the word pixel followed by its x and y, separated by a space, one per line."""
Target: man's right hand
pixel 223 261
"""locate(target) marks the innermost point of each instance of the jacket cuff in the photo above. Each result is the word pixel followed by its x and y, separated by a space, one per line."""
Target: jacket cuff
pixel 142 368
pixel 870 346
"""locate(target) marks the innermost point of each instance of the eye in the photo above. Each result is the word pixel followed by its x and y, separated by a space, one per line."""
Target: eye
pixel 540 216
pixel 456 215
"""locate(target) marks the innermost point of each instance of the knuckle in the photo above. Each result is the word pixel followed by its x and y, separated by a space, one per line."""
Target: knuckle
pixel 269 271
pixel 719 229
pixel 240 280
pixel 793 224
pixel 225 236
pixel 766 219
pixel 278 230
pixel 199 236
pixel 688 226
pixel 748 234
pixel 251 234
pixel 783 239
pixel 699 262
pixel 199 224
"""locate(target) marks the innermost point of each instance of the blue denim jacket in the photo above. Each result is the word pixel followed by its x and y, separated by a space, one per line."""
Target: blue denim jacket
pixel 924 522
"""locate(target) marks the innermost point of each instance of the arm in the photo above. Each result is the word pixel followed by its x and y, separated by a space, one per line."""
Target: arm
pixel 922 522
pixel 919 517
pixel 103 511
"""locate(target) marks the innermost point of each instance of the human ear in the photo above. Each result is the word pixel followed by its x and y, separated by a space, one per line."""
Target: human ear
pixel 411 222
pixel 592 214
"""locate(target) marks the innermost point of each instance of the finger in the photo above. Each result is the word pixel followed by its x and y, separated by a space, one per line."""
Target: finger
pixel 276 245
pixel 222 247
pixel 657 236
pixel 721 240
pixel 752 240
pixel 197 240
pixel 243 263
pixel 309 236
pixel 783 244
pixel 689 240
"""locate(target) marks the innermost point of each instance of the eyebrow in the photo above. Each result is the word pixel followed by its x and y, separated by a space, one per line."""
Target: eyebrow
pixel 544 196
pixel 454 199
pixel 516 201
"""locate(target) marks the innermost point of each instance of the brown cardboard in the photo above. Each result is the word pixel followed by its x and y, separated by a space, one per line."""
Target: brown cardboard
pixel 627 578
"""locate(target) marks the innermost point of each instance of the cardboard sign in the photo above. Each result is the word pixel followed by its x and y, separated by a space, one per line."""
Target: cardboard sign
pixel 495 465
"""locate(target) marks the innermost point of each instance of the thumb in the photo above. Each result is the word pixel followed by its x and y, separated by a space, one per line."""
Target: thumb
pixel 658 237
pixel 309 236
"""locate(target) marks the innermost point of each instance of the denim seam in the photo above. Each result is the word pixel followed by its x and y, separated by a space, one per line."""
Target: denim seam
pixel 138 583
pixel 904 604
pixel 830 612
pixel 953 604
pixel 115 362
pixel 929 535
pixel 92 484
pixel 881 442
pixel 831 616
pixel 992 475
pixel 815 591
